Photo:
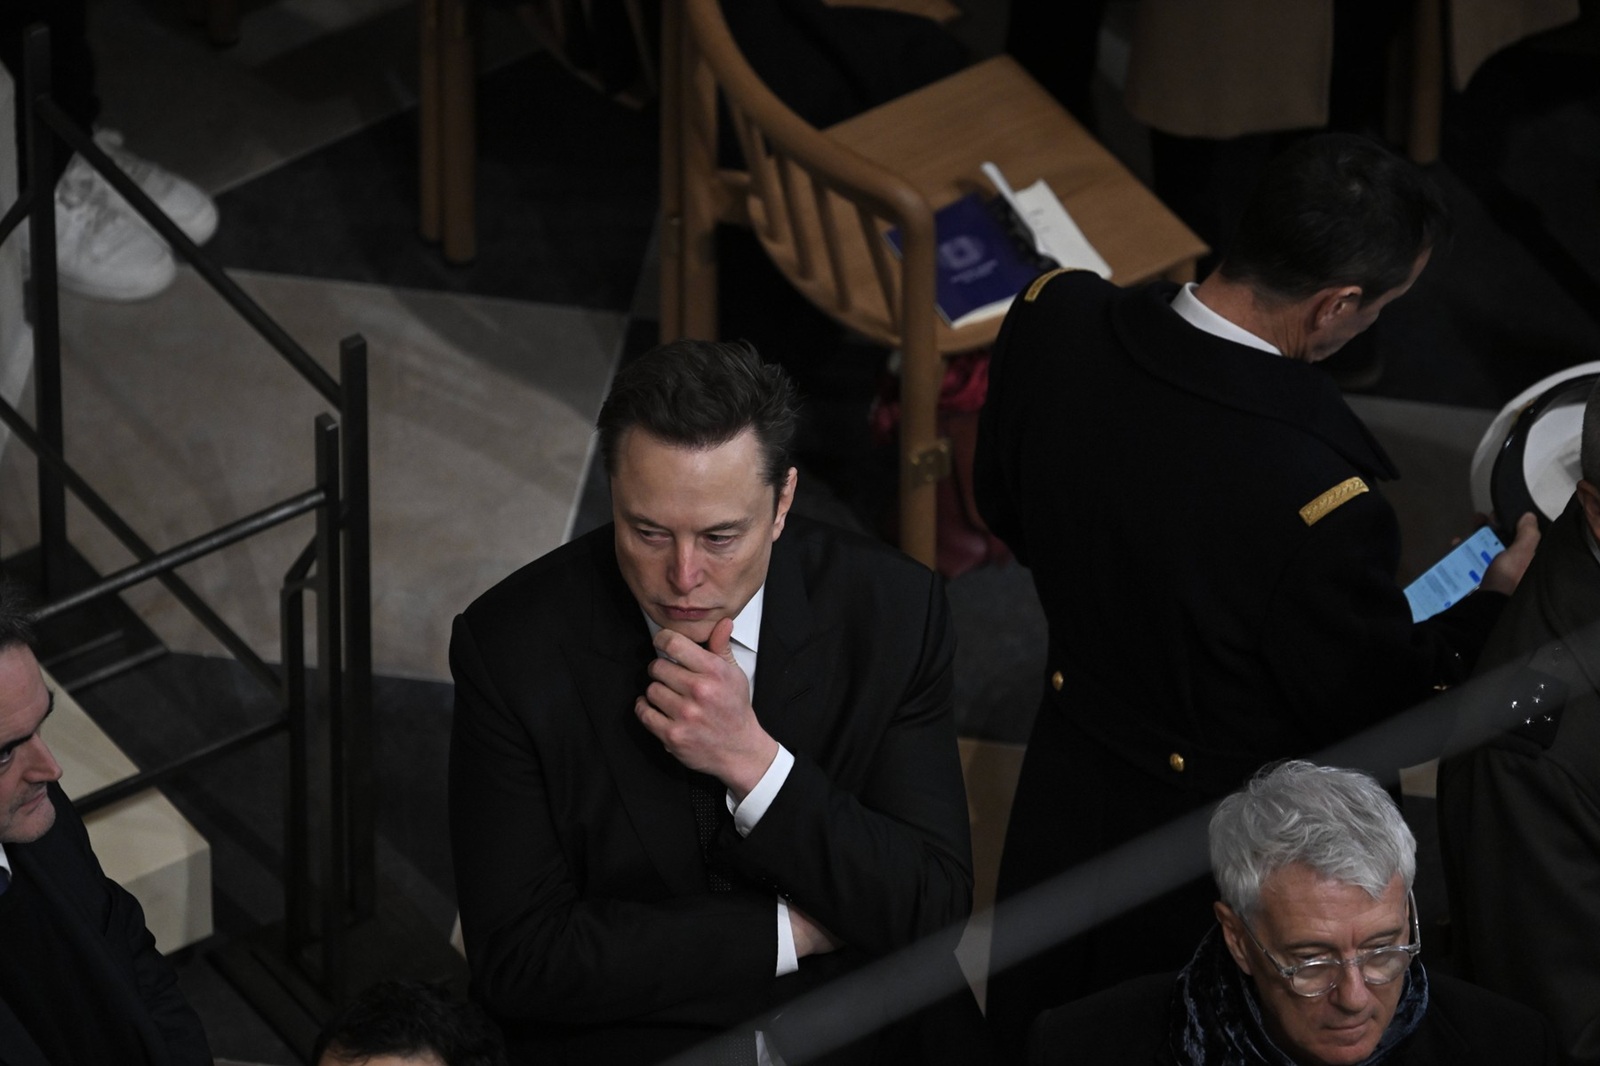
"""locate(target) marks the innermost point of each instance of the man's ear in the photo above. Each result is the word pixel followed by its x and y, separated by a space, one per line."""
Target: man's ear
pixel 1233 934
pixel 1332 304
pixel 1589 496
pixel 785 501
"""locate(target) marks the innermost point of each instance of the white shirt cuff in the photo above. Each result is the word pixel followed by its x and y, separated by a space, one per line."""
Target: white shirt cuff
pixel 788 961
pixel 758 799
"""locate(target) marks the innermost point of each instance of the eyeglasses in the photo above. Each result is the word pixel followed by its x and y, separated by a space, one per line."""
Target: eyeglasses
pixel 1321 976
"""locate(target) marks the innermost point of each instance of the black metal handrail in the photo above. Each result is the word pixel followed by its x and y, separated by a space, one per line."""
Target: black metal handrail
pixel 330 774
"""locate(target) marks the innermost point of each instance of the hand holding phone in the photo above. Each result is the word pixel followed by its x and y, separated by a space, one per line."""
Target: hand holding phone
pixel 1450 579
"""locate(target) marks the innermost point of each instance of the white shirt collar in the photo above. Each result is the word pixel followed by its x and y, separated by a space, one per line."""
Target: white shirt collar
pixel 5 863
pixel 1201 317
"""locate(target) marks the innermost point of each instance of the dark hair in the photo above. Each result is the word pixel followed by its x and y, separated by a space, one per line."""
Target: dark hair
pixel 699 394
pixel 1335 209
pixel 411 1018
pixel 15 625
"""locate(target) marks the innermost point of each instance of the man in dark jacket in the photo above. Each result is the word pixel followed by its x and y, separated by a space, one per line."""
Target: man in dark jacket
pixel 1519 817
pixel 1200 511
pixel 1314 960
pixel 704 758
pixel 80 978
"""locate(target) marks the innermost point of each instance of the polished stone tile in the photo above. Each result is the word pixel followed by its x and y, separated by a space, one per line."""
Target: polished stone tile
pixel 304 74
pixel 181 417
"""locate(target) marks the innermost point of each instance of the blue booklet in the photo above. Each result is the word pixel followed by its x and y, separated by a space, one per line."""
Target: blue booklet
pixel 984 258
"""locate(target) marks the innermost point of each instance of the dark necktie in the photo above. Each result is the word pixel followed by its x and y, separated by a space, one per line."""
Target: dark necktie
pixel 709 798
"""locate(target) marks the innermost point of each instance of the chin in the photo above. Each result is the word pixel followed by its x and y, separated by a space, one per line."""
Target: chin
pixel 1340 1054
pixel 35 825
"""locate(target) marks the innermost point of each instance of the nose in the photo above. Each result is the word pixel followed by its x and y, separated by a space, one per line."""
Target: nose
pixel 42 765
pixel 1351 993
pixel 684 572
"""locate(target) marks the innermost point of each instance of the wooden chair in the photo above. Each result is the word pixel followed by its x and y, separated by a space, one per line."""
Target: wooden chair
pixel 819 201
pixel 447 38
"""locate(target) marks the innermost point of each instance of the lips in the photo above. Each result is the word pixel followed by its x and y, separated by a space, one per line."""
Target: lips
pixel 685 614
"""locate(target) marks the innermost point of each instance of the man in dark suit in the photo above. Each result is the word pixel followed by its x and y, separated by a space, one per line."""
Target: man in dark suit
pixel 703 758
pixel 1314 957
pixel 1519 815
pixel 1200 511
pixel 80 978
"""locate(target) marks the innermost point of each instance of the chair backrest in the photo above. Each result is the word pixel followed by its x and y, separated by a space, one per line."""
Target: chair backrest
pixel 819 209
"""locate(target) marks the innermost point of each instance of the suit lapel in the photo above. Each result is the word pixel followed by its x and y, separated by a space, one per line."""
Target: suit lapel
pixel 16 1046
pixel 609 660
pixel 795 657
pixel 83 927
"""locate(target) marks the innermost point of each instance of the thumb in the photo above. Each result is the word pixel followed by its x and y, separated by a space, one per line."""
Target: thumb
pixel 721 639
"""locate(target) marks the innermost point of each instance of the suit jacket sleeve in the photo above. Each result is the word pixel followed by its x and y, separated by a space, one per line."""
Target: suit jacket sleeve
pixel 119 922
pixel 1339 635
pixel 879 855
pixel 544 945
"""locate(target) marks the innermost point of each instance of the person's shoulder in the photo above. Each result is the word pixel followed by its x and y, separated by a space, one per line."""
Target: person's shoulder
pixel 1126 1023
pixel 1468 1024
pixel 1064 295
pixel 827 550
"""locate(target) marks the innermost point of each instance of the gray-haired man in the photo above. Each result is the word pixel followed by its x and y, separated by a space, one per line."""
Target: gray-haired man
pixel 1314 959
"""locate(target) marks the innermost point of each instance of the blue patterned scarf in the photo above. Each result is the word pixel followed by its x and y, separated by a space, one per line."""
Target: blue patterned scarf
pixel 1216 1018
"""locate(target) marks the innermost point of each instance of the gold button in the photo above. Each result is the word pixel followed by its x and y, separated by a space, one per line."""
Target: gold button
pixel 1056 681
pixel 1176 762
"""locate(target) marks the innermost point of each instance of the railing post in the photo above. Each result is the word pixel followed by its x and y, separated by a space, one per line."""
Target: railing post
pixel 297 834
pixel 53 580
pixel 357 539
pixel 330 700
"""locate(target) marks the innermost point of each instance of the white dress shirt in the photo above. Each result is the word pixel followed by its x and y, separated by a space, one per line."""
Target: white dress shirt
pixel 1201 317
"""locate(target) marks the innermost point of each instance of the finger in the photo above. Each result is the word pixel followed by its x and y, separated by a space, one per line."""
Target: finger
pixel 721 640
pixel 651 718
pixel 668 702
pixel 672 644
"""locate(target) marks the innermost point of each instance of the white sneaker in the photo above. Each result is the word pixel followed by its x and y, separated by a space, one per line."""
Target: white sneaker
pixel 102 249
pixel 182 200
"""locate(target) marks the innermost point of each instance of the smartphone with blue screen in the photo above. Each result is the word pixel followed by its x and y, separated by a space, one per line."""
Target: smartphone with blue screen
pixel 1450 579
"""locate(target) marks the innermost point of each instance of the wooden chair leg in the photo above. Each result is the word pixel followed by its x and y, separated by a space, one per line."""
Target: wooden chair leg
pixel 1427 82
pixel 924 458
pixel 222 22
pixel 429 158
pixel 458 146
pixel 671 237
pixel 697 127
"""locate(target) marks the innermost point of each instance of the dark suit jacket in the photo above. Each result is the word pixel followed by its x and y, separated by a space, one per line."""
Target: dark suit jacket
pixel 1519 817
pixel 1130 1025
pixel 111 930
pixel 584 904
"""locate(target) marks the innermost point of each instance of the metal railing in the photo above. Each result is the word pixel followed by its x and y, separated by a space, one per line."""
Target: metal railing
pixel 331 810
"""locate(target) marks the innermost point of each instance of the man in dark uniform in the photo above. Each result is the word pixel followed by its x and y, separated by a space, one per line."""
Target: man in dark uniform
pixel 80 978
pixel 1199 509
pixel 1519 817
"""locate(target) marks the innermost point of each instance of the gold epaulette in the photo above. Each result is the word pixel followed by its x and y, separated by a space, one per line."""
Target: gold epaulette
pixel 1332 500
pixel 1042 280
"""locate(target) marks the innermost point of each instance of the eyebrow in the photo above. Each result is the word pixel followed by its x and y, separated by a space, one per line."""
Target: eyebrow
pixel 49 709
pixel 730 525
pixel 1326 948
